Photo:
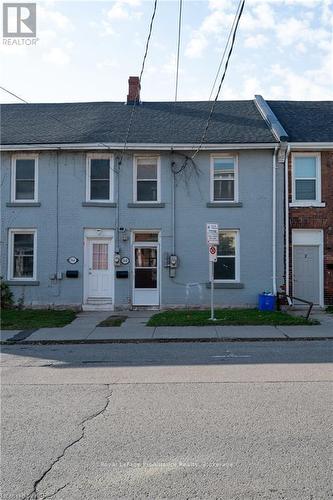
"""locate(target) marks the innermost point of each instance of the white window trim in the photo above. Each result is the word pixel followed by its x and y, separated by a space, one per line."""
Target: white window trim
pixel 135 169
pixel 224 155
pixel 99 156
pixel 237 256
pixel 10 271
pixel 306 203
pixel 23 156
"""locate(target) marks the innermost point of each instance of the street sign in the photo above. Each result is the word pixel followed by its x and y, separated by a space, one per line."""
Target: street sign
pixel 212 253
pixel 212 232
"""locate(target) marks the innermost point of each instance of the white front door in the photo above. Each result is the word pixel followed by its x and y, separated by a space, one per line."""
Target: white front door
pixel 146 274
pixel 99 271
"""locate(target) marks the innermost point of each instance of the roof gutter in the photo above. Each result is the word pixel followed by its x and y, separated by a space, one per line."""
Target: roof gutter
pixel 135 146
pixel 310 145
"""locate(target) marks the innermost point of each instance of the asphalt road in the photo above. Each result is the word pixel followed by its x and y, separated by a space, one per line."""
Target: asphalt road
pixel 195 420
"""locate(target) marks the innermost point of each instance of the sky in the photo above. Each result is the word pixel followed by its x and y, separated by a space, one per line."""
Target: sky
pixel 85 51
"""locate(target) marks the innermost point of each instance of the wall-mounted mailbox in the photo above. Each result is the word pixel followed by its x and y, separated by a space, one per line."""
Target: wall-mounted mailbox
pixel 121 274
pixel 72 274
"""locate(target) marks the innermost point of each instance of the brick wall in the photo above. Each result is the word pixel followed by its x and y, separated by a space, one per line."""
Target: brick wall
pixel 317 218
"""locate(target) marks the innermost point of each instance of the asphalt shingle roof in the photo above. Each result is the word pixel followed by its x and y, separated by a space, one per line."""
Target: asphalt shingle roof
pixel 153 122
pixel 305 121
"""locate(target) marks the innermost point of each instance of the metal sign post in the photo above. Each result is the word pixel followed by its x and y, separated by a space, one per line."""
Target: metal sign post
pixel 212 232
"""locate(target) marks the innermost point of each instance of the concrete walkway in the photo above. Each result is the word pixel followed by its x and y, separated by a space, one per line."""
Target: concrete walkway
pixel 85 329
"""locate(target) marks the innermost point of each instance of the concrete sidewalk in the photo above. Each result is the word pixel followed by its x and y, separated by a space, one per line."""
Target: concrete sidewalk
pixel 85 329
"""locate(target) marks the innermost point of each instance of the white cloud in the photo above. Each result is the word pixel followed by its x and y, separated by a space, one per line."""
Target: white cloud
pixel 255 41
pixel 107 64
pixel 121 10
pixel 57 56
pixel 118 12
pixel 53 19
pixel 294 31
pixel 196 45
pixel 315 84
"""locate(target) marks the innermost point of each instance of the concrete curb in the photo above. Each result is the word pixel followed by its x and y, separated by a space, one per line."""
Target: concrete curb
pixel 163 341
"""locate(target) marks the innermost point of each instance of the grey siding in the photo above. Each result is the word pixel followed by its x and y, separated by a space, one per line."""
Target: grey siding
pixel 253 219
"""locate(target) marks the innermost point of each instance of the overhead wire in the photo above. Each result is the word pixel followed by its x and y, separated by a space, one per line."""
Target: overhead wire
pixel 140 78
pixel 234 32
pixel 225 50
pixel 63 124
pixel 12 93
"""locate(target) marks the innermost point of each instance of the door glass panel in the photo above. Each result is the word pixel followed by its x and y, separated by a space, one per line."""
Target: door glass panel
pixel 145 257
pixel 100 256
pixel 146 278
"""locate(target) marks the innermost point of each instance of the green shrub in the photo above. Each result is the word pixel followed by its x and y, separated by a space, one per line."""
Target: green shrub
pixel 6 295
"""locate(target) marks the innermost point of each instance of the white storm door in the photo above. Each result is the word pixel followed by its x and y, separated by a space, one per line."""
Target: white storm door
pixel 306 272
pixel 146 275
pixel 100 270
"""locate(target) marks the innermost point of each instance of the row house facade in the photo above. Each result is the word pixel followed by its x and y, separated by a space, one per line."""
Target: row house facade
pixel 100 214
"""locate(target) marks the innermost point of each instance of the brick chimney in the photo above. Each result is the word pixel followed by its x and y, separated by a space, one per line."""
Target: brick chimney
pixel 133 90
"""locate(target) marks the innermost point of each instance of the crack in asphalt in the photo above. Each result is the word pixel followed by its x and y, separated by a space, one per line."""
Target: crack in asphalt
pixel 57 491
pixel 33 495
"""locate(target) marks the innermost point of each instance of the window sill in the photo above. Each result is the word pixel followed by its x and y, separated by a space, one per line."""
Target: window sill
pixel 224 204
pixel 23 204
pixel 313 204
pixel 226 285
pixel 106 204
pixel 22 283
pixel 146 205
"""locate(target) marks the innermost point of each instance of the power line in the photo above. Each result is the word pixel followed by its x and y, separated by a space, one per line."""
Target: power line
pixel 178 47
pixel 225 50
pixel 140 78
pixel 222 79
pixel 12 93
pixel 63 124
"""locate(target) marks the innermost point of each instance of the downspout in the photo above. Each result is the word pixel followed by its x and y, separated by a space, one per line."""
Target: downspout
pixel 286 222
pixel 173 212
pixel 274 221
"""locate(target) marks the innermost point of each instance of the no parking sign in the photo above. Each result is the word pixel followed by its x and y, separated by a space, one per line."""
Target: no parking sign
pixel 212 253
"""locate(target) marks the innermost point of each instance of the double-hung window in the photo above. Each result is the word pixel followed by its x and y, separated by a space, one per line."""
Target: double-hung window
pixel 22 254
pixel 99 177
pixel 25 178
pixel 306 178
pixel 227 266
pixel 146 179
pixel 224 182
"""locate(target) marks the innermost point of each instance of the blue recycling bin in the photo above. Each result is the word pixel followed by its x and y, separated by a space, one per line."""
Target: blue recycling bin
pixel 267 302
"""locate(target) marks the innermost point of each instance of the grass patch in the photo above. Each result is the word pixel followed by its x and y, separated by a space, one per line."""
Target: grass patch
pixel 113 321
pixel 28 319
pixel 329 309
pixel 187 317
